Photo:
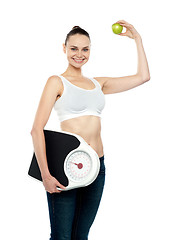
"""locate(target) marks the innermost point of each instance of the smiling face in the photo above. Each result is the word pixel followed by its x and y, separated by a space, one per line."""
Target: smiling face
pixel 77 50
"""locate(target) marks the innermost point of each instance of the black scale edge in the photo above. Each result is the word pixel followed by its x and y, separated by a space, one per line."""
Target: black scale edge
pixel 58 146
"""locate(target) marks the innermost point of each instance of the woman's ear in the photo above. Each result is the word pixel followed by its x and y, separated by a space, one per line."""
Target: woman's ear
pixel 64 48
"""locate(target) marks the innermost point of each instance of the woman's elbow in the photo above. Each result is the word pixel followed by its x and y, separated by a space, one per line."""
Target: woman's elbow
pixel 36 129
pixel 146 79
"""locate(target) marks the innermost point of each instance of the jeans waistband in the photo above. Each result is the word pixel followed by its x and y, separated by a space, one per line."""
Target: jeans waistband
pixel 101 158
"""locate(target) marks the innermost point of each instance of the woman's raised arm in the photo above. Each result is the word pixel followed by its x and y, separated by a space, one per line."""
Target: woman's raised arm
pixel 120 84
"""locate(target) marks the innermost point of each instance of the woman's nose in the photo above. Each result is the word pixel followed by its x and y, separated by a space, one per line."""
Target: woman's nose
pixel 79 54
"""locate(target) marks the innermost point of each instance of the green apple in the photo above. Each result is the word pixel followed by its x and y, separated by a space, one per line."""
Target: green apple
pixel 117 28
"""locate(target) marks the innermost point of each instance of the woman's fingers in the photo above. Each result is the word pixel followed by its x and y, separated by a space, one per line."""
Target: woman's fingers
pixel 125 24
pixel 51 183
pixel 130 30
pixel 123 34
pixel 58 184
pixel 122 21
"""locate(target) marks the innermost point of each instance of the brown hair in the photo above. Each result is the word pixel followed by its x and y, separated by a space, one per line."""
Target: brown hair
pixel 76 30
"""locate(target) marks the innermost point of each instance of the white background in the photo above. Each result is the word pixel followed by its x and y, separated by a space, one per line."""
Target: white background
pixel 137 125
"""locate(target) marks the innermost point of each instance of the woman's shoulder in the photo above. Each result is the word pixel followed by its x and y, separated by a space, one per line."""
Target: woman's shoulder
pixel 99 80
pixel 54 77
pixel 55 81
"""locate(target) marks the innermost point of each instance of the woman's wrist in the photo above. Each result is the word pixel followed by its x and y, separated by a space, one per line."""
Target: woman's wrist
pixel 45 174
pixel 137 37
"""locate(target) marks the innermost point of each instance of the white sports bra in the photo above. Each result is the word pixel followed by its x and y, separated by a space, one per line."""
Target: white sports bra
pixel 75 101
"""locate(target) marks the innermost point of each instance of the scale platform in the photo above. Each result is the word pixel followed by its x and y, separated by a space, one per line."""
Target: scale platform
pixel 70 159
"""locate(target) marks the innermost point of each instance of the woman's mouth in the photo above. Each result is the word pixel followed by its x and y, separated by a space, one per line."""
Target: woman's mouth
pixel 78 60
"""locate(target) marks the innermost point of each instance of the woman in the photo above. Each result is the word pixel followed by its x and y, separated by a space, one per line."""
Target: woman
pixel 79 101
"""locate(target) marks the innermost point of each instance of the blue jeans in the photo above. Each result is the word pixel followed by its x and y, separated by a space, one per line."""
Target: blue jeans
pixel 72 212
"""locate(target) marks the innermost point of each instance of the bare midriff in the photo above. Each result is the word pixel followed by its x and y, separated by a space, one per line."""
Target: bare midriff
pixel 89 128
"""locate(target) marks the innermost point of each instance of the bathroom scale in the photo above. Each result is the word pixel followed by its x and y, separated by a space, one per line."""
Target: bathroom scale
pixel 71 160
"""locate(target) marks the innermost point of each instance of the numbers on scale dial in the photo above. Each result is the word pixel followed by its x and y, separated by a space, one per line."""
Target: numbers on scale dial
pixel 78 165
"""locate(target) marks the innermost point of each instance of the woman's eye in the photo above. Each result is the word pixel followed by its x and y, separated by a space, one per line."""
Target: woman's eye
pixel 75 49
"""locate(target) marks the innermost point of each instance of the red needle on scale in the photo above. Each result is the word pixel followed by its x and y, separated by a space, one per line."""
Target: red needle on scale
pixel 80 165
